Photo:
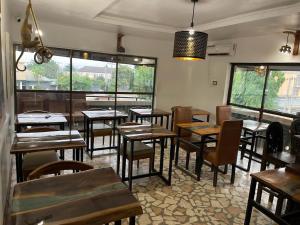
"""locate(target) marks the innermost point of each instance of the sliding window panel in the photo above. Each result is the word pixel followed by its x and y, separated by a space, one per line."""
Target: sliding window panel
pixel 247 86
pixel 127 101
pixel 93 72
pixel 53 75
pixel 136 74
pixel 283 90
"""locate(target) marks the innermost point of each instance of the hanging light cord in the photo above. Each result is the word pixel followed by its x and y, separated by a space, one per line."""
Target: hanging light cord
pixel 192 23
pixel 287 39
pixel 36 24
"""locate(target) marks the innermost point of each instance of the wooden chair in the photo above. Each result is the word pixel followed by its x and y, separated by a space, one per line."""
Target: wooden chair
pixel 226 149
pixel 185 115
pixel 273 154
pixel 57 167
pixel 31 161
pixel 295 130
pixel 100 130
pixel 223 113
pixel 140 150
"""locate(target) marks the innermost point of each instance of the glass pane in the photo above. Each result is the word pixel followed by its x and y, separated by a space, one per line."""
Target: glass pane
pixel 247 86
pixel 126 102
pixel 135 74
pixel 89 73
pixel 54 102
pixel 283 90
pixel 54 75
pixel 244 114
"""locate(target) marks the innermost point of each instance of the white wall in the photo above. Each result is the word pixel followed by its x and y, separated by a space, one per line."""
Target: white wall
pixel 178 83
pixel 6 124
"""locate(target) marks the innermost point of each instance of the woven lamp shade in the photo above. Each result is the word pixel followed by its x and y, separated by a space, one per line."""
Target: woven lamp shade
pixel 190 46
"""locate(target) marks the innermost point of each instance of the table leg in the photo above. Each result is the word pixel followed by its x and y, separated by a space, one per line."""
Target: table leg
pixel 167 125
pixel 136 118
pixel 84 127
pixel 161 121
pixel 162 151
pixel 81 154
pixel 207 118
pixel 171 161
pixel 118 222
pixel 130 165
pixel 19 167
pixel 199 159
pixel 250 202
pixel 124 158
pixel 177 146
pixel 87 135
pixel 132 220
pixel 172 117
pixel 92 139
pixel 118 153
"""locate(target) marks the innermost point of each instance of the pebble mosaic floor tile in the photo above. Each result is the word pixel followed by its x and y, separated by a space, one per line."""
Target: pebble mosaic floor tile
pixel 188 201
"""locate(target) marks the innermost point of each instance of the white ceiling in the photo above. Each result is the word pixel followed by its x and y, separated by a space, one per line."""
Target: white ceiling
pixel 221 19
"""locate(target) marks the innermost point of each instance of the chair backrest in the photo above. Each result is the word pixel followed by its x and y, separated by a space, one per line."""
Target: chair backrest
pixel 228 142
pixel 57 167
pixel 39 129
pixel 223 112
pixel 295 130
pixel 182 115
pixel 36 111
pixel 274 138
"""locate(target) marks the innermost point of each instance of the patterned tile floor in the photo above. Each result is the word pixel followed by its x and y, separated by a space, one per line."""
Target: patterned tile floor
pixel 188 201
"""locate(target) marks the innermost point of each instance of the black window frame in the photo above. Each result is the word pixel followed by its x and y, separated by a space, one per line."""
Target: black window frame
pixel 260 110
pixel 71 91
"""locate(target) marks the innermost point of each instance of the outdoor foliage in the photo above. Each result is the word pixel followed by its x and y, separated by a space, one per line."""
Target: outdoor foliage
pixel 247 88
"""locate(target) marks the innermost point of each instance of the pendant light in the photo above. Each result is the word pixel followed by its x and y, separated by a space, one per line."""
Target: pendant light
pixel 191 44
pixel 286 49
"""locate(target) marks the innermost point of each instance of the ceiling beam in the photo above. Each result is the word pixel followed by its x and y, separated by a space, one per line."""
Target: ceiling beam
pixel 251 17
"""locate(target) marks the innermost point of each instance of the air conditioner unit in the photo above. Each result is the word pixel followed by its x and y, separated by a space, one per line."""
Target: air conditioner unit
pixel 221 49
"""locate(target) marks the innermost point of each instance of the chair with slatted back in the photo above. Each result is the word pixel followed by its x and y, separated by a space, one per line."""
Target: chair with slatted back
pixel 57 167
pixel 226 149
pixel 141 150
pixel 31 161
pixel 273 154
pixel 100 129
pixel 185 115
pixel 295 130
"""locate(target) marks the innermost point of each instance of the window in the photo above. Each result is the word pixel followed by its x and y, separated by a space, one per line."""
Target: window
pixel 266 88
pixel 54 75
pixel 75 80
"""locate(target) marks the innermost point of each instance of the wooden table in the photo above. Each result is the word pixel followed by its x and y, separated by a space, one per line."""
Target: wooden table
pixel 101 115
pixel 45 141
pixel 204 130
pixel 91 197
pixel 150 113
pixel 140 133
pixel 40 119
pixel 281 181
pixel 251 131
pixel 195 112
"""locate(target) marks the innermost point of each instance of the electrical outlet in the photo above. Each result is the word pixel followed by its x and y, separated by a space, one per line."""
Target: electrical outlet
pixel 214 83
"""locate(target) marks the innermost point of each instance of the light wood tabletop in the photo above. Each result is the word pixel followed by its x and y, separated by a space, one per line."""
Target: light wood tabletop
pixel 91 197
pixel 150 112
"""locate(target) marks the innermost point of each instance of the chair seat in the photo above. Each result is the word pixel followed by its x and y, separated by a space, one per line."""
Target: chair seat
pixel 281 158
pixel 101 129
pixel 31 161
pixel 140 150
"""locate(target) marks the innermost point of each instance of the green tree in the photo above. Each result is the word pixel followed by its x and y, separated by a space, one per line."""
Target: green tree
pixel 49 70
pixel 80 83
pixel 247 88
pixel 143 79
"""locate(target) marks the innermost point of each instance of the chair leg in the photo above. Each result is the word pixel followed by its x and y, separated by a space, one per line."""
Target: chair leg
pixel 177 153
pixel 103 140
pixel 225 169
pixel 232 173
pixel 92 145
pixel 150 164
pixel 187 161
pixel 138 164
pixel 110 139
pixel 215 176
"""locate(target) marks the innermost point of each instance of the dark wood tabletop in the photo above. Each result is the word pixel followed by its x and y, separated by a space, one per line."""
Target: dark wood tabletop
pixel 150 112
pixel 144 132
pixel 40 118
pixel 282 181
pixel 104 114
pixel 91 197
pixel 44 141
pixel 254 126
